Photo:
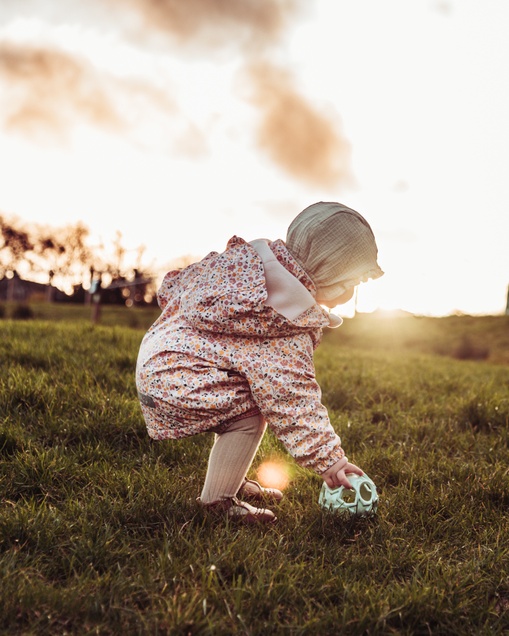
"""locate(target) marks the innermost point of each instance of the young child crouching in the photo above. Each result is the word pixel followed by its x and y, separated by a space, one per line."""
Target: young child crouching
pixel 232 352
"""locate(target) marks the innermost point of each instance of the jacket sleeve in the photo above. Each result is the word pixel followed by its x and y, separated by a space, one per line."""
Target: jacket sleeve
pixel 283 384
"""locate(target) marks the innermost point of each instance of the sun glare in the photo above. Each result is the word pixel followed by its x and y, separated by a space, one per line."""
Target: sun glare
pixel 103 121
pixel 398 292
pixel 274 474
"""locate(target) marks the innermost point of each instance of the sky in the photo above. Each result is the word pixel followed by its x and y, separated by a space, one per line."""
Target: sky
pixel 181 124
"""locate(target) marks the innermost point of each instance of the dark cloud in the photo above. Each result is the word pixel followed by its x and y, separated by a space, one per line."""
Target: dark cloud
pixel 308 144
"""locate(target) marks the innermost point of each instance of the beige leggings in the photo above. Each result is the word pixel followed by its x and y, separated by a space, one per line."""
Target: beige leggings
pixel 230 458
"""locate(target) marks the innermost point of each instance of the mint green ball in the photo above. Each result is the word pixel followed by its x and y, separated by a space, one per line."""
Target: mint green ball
pixel 362 500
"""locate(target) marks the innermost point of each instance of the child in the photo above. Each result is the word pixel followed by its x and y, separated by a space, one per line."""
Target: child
pixel 232 351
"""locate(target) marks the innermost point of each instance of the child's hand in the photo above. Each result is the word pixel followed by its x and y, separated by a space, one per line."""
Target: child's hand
pixel 335 476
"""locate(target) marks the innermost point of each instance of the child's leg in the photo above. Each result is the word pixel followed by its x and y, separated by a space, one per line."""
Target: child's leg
pixel 230 458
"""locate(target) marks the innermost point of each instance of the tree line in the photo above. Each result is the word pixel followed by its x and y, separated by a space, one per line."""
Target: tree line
pixel 62 258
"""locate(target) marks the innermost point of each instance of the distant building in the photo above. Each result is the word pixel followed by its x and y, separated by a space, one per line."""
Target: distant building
pixel 16 289
pixel 118 292
pixel 19 290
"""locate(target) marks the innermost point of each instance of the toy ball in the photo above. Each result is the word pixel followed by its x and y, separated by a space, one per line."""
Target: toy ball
pixel 362 500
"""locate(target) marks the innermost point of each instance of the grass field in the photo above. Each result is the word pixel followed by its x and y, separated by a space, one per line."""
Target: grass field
pixel 100 532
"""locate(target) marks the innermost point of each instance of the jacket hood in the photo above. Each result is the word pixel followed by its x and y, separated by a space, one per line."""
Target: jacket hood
pixel 225 293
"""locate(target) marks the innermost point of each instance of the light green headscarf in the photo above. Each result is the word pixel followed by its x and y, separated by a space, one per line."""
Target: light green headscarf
pixel 336 247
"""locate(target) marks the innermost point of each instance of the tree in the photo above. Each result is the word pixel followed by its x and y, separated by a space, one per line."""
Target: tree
pixel 64 255
pixel 15 248
pixel 62 258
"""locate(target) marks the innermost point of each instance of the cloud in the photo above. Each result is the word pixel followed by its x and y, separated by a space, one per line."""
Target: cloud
pixel 444 7
pixel 48 90
pixel 46 87
pixel 306 143
pixel 192 143
pixel 217 23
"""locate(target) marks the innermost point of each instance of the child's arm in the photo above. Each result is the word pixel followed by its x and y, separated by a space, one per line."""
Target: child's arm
pixel 284 386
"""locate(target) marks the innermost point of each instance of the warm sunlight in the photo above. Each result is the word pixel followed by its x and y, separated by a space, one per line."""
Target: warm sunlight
pixel 274 474
pixel 103 121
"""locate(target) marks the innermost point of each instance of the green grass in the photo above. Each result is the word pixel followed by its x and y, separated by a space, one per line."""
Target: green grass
pixel 460 337
pixel 100 532
pixel 109 315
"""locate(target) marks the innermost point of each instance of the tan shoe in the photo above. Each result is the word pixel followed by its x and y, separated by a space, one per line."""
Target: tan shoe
pixel 254 490
pixel 241 511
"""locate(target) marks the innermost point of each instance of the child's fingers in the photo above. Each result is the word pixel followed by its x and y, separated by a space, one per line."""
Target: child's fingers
pixel 343 480
pixel 352 468
pixel 349 469
pixel 338 479
pixel 346 483
pixel 329 480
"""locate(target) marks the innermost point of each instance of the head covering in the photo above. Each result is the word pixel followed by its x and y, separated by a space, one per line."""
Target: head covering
pixel 336 247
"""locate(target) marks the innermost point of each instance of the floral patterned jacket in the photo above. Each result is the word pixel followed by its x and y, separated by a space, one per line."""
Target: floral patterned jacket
pixel 218 353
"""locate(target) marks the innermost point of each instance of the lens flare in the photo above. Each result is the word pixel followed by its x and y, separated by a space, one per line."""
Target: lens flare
pixel 274 474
